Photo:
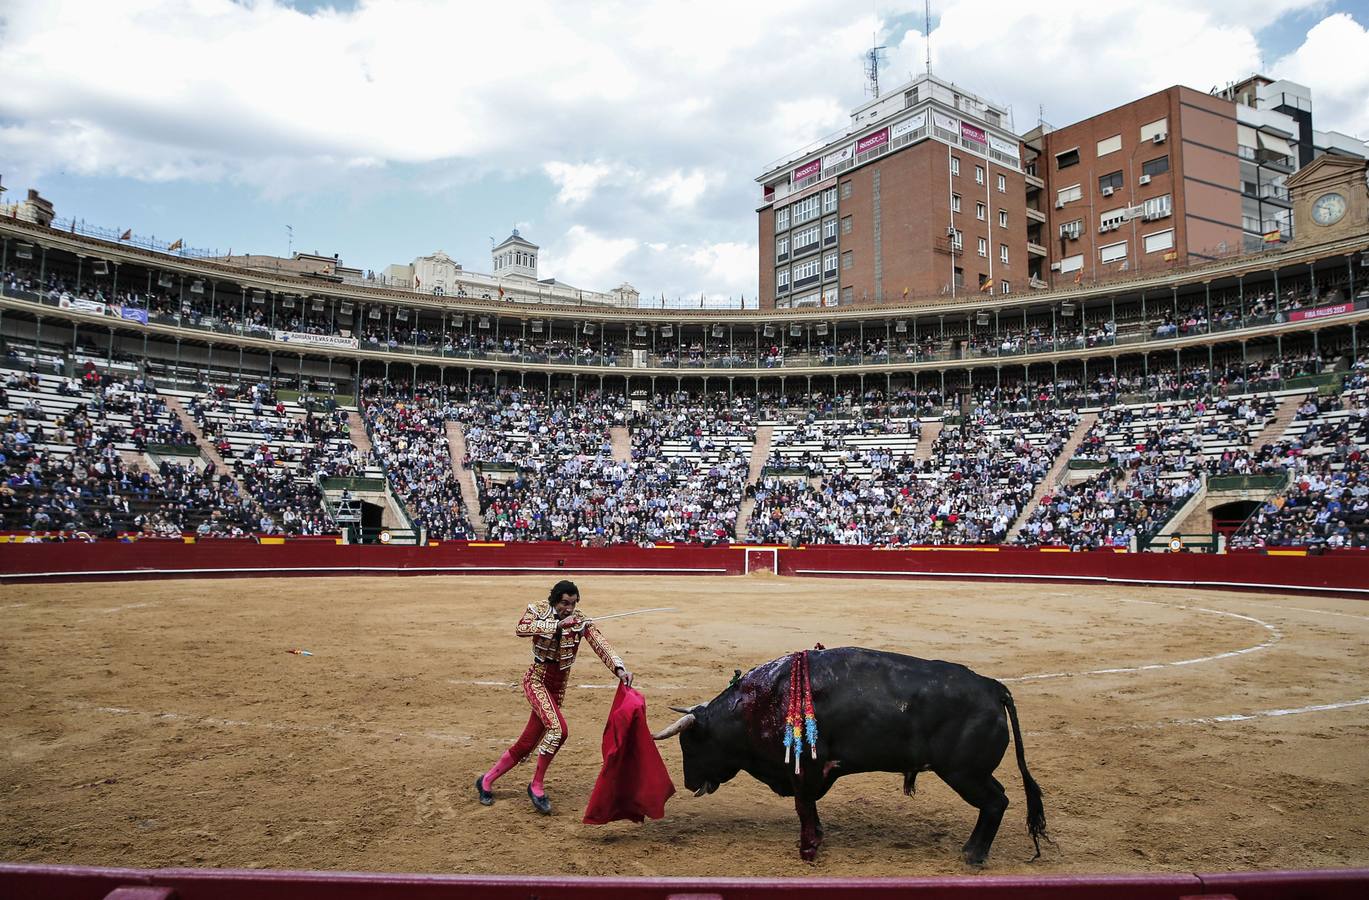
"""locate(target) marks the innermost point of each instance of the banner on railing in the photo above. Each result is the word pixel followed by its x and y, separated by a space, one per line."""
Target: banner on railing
pixel 66 301
pixel 318 340
pixel 1321 312
pixel 129 313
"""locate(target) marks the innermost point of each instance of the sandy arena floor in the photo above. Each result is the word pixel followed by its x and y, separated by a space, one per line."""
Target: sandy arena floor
pixel 163 724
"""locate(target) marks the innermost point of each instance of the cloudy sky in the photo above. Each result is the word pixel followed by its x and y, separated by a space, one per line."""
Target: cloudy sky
pixel 623 137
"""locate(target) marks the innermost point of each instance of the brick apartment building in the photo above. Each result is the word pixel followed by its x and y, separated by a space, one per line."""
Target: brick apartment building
pixel 929 194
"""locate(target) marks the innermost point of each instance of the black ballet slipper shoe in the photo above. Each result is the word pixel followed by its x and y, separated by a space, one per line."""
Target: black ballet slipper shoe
pixel 486 797
pixel 541 804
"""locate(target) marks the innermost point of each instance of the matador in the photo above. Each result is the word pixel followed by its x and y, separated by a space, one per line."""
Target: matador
pixel 556 630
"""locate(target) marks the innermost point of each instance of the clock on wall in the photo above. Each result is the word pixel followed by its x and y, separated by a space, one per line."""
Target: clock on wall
pixel 1328 209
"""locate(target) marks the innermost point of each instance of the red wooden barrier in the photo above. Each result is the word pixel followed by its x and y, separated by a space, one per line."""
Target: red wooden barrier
pixel 22 882
pixel 1343 572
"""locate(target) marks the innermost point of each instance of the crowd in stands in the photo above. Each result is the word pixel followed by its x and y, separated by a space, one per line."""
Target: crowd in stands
pixel 408 436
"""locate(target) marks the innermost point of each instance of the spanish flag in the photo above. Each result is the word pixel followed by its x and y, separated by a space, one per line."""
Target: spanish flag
pixel 1079 276
pixel 501 292
pixel 176 245
pixel 986 287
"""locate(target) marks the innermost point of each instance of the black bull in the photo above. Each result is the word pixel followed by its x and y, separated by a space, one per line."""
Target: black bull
pixel 876 712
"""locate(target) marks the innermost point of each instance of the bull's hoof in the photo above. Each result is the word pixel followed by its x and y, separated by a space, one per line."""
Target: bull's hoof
pixel 975 859
pixel 808 854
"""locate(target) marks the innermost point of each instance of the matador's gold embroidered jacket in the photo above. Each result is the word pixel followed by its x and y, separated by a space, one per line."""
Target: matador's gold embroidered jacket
pixel 553 647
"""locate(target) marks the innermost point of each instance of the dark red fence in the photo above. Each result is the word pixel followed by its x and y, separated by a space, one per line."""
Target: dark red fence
pixel 1341 572
pixel 19 882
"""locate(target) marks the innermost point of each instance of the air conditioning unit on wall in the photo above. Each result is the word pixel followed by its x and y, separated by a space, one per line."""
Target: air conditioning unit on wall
pixel 1107 192
pixel 1159 138
pixel 1055 267
pixel 1144 179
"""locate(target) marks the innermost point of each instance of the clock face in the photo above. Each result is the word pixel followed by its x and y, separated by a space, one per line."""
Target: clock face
pixel 1328 209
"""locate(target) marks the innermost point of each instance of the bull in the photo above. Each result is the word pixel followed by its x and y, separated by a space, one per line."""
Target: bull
pixel 877 712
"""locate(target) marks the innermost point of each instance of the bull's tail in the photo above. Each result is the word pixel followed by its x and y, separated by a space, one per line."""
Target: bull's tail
pixel 1036 811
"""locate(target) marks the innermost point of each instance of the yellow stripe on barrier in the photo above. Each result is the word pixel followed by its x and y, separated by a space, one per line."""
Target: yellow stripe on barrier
pixel 484 544
pixel 271 540
pixel 1054 549
pixel 1286 552
pixel 187 539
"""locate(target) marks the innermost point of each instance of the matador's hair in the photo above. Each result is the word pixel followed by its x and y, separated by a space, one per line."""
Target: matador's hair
pixel 562 587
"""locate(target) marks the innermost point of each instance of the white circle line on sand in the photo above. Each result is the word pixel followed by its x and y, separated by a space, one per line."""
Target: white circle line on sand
pixel 1322 612
pixel 1275 635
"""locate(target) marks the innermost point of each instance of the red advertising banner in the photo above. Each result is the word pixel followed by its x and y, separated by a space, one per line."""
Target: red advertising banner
pixel 969 132
pixel 871 141
pixel 807 170
pixel 1321 312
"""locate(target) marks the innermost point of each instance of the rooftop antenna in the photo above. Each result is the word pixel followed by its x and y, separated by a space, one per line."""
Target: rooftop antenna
pixel 872 68
pixel 927 32
pixel 290 241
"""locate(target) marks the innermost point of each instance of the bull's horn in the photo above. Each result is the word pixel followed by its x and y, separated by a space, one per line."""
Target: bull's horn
pixel 682 709
pixel 685 721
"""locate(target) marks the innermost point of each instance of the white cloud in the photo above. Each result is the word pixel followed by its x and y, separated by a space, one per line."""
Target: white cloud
pixel 1334 61
pixel 576 182
pixel 649 121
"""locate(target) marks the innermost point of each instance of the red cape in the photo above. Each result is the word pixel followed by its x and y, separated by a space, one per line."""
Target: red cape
pixel 634 783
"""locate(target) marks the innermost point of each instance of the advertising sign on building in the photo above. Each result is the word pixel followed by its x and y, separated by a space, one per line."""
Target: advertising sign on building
pixel 1007 148
pixel 871 141
pixel 320 340
pixel 807 170
pixel 133 315
pixel 913 123
pixel 840 156
pixel 971 133
pixel 945 122
pixel 80 304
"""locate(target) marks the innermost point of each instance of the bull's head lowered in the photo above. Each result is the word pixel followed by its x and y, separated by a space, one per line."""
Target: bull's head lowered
pixel 707 762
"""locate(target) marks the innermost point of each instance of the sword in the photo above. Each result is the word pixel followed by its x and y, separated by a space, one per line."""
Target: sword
pixel 635 612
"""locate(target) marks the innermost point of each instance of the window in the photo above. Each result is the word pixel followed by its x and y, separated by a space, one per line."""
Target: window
pixel 909 98
pixel 1158 207
pixel 1003 253
pixel 1110 182
pixel 983 247
pixel 1151 130
pixel 847 295
pixel 1112 219
pixel 846 225
pixel 829 231
pixel 955 165
pixel 1067 159
pixel 1072 263
pixel 1113 252
pixel 1002 184
pixel 847 261
pixel 829 295
pixel 1004 287
pixel 782 249
pixel 829 265
pixel 806 209
pixel 846 190
pixel 1065 195
pixel 1157 166
pixel 806 300
pixel 978 174
pixel 980 211
pixel 1002 218
pixel 959 277
pixel 782 281
pixel 958 239
pixel 805 239
pixel 806 272
pixel 1072 230
pixel 1160 240
pixel 955 203
pixel 829 200
pixel 1110 145
pixel 782 219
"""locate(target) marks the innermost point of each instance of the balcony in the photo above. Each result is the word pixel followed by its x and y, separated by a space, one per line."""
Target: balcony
pixel 1034 181
pixel 1035 215
pixel 1035 249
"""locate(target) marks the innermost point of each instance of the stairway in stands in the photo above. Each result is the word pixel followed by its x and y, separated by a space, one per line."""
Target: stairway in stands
pixel 456 440
pixel 1283 417
pixel 356 432
pixel 207 448
pixel 622 443
pixel 1086 421
pixel 926 438
pixel 760 452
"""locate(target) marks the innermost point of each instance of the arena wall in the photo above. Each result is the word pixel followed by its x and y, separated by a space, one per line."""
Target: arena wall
pixel 21 882
pixel 1343 572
